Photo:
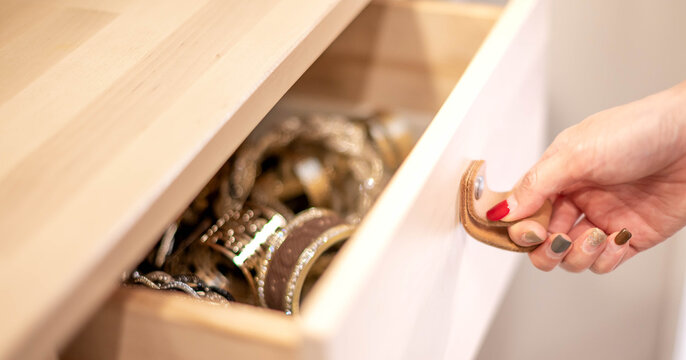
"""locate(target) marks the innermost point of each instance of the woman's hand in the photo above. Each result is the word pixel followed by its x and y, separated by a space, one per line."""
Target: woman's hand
pixel 618 181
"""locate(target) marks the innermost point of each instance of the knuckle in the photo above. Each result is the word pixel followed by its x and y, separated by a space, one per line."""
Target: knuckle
pixel 576 161
pixel 541 265
pixel 572 147
pixel 572 268
pixel 529 180
pixel 547 268
pixel 565 139
pixel 599 269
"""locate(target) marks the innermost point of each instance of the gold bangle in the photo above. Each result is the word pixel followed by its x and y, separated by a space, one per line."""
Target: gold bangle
pixel 319 137
pixel 238 239
pixel 289 259
pixel 314 180
pixel 383 144
pixel 392 137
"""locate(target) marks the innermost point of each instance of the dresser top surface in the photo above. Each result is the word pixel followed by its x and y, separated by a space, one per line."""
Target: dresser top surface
pixel 103 104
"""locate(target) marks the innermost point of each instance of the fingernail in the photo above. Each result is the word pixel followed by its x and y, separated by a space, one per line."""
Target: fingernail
pixel 594 240
pixel 622 237
pixel 512 206
pixel 530 237
pixel 560 244
pixel 498 211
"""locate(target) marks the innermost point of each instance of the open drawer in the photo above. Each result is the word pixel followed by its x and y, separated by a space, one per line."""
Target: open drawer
pixel 409 284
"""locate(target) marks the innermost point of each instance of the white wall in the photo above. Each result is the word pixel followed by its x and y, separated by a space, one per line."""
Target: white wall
pixel 603 53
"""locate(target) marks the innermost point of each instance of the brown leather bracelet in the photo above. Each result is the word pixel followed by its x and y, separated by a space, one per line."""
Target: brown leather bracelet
pixel 476 199
pixel 287 262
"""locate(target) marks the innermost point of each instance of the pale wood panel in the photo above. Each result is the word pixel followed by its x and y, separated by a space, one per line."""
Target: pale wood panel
pixel 130 104
pixel 145 324
pixel 50 101
pixel 106 329
pixel 16 15
pixel 406 263
pixel 110 141
pixel 26 56
pixel 407 56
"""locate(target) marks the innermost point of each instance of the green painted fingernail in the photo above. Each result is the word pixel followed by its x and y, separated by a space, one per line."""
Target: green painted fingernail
pixel 530 237
pixel 560 244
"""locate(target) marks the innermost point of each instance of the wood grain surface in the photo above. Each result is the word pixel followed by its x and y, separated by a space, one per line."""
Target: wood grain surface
pixel 397 289
pixel 112 115
pixel 145 324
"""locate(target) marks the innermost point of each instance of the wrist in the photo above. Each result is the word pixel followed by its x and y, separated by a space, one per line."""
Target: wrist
pixel 674 111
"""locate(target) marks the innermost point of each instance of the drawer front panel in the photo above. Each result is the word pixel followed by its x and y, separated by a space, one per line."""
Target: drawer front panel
pixel 403 287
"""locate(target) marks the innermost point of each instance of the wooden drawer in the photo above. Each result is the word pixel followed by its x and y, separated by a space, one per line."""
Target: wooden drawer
pixel 113 114
pixel 409 284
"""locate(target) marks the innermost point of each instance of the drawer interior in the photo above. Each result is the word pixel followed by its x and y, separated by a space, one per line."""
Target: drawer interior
pixel 399 55
pixel 404 56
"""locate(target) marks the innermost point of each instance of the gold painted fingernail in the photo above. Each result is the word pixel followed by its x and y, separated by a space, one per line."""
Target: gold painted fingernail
pixel 593 240
pixel 530 237
pixel 622 237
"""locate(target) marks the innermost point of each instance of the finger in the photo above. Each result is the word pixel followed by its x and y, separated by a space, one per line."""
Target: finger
pixel 549 254
pixel 581 227
pixel 547 178
pixel 617 246
pixel 564 215
pixel 527 233
pixel 585 250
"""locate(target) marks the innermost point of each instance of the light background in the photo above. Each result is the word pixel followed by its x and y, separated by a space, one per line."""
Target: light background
pixel 603 53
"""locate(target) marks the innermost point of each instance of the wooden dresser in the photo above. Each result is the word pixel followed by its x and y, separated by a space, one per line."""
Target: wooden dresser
pixel 114 114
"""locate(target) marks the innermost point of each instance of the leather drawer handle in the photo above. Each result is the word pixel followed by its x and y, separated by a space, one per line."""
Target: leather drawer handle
pixel 476 199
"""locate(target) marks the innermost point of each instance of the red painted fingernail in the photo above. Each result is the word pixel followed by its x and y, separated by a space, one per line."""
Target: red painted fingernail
pixel 498 211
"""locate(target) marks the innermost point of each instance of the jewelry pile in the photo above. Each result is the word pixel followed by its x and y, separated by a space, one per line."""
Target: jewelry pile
pixel 269 222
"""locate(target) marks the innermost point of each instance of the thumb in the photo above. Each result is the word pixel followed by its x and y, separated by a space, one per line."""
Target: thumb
pixel 550 176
